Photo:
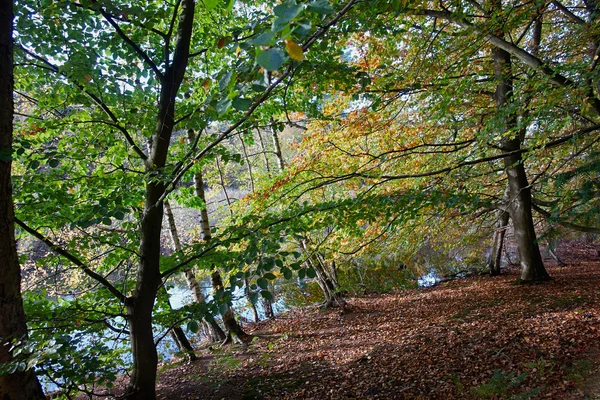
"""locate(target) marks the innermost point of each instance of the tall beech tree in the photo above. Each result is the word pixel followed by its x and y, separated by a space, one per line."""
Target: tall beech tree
pixel 436 127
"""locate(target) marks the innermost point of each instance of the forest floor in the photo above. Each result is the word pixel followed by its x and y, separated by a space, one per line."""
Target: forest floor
pixel 481 337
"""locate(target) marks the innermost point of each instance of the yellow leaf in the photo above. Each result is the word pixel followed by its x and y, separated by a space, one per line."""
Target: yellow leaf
pixel 294 50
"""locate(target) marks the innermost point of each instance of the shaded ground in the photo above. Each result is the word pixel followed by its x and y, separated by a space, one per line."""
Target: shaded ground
pixel 480 337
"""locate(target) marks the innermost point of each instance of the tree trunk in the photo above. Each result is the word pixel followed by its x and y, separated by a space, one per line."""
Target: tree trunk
pixel 234 329
pixel 228 319
pixel 277 148
pixel 532 268
pixel 24 384
pixel 327 285
pixel 141 304
pixel 264 152
pixel 495 259
pixel 269 312
pixel 249 297
pixel 248 164
pixel 178 335
pixel 213 331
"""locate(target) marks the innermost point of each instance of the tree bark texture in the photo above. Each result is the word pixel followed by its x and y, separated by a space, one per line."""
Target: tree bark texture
pixel 277 148
pixel 22 385
pixel 519 201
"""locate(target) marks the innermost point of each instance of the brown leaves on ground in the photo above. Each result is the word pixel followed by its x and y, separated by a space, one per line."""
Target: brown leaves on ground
pixel 480 337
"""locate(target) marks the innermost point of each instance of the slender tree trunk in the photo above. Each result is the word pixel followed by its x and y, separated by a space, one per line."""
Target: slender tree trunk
pixel 235 330
pixel 178 335
pixel 264 152
pixel 213 331
pixel 495 258
pixel 277 147
pixel 228 319
pixel 141 304
pixel 323 276
pixel 269 312
pixel 223 187
pixel 248 296
pixel 24 384
pixel 250 174
pixel 519 202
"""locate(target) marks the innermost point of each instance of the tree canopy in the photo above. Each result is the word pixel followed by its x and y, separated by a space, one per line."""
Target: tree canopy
pixel 297 142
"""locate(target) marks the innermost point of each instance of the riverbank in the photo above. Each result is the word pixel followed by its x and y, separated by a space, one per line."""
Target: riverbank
pixel 480 337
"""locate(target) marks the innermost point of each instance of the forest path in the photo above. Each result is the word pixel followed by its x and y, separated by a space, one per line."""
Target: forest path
pixel 480 337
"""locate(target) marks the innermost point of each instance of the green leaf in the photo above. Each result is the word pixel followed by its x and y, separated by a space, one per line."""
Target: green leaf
pixel 264 39
pixel 241 104
pixel 106 221
pixel 223 308
pixel 230 5
pixel 223 105
pixel 224 81
pixel 287 273
pixel 254 298
pixel 311 273
pixel 193 326
pixel 211 4
pixel 320 7
pixel 262 282
pixel 271 59
pixel 302 273
pixel 269 276
pixel 287 11
pixel 266 294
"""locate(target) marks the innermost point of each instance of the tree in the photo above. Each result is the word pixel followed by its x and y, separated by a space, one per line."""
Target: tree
pixel 17 378
pixel 123 75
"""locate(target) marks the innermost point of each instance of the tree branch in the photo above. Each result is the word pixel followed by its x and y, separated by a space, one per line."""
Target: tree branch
pixel 566 224
pixel 132 44
pixel 95 99
pixel 62 252
pixel 178 173
pixel 520 54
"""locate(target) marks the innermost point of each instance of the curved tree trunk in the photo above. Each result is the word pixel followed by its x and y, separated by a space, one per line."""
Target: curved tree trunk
pixel 328 285
pixel 19 385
